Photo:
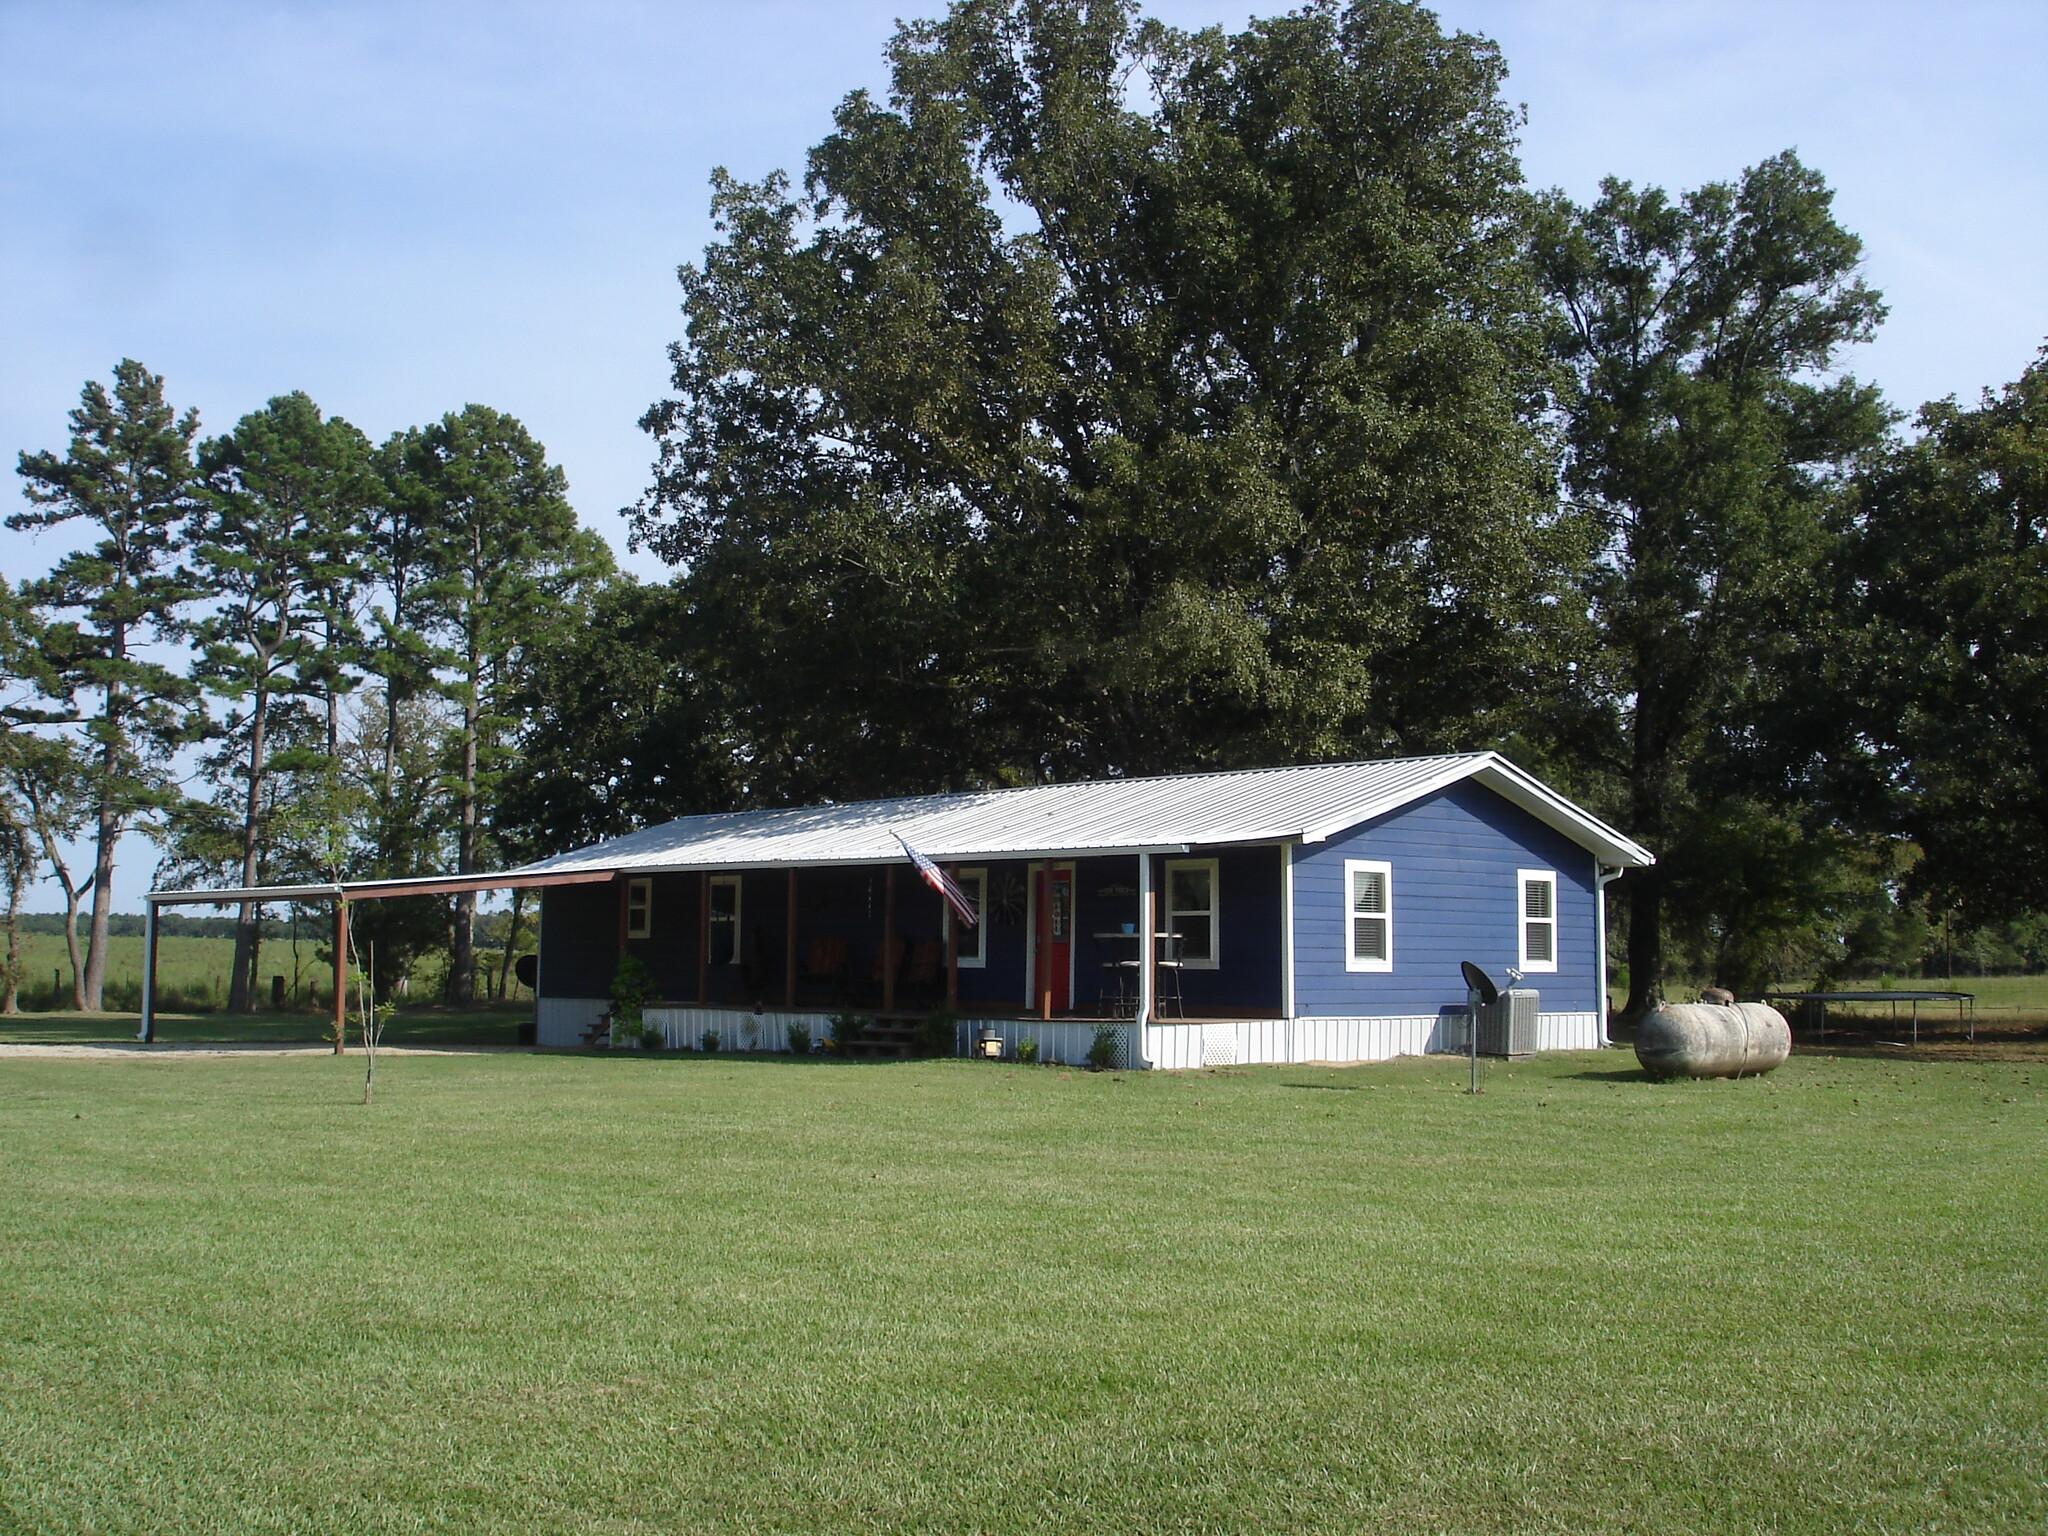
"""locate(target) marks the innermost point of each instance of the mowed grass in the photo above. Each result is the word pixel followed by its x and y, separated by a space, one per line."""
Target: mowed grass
pixel 623 1294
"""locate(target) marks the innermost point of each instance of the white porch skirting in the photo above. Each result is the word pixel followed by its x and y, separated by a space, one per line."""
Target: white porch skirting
pixel 1218 1043
pixel 1251 1042
pixel 738 1029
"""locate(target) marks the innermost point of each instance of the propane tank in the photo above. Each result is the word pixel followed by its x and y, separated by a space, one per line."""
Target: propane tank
pixel 1712 1040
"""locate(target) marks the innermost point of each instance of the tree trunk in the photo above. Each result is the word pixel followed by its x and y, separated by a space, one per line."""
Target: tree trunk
pixel 511 943
pixel 242 980
pixel 462 970
pixel 72 896
pixel 10 994
pixel 1645 943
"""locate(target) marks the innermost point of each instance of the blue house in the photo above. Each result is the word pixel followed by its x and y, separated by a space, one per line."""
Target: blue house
pixel 1315 913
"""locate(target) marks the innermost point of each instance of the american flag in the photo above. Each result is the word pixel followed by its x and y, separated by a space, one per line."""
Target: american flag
pixel 943 883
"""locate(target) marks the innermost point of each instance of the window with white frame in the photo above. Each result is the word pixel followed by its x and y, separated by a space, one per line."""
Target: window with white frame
pixel 725 919
pixel 1538 919
pixel 973 941
pixel 1191 911
pixel 1368 915
pixel 639 908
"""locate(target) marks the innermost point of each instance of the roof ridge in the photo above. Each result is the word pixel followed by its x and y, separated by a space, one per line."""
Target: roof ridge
pixel 1143 778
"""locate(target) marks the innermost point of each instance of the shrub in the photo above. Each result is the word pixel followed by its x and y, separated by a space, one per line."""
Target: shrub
pixel 708 1042
pixel 1027 1049
pixel 799 1037
pixel 651 1038
pixel 846 1029
pixel 632 986
pixel 1103 1048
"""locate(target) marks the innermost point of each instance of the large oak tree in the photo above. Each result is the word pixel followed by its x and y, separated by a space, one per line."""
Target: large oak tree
pixel 1711 439
pixel 1115 399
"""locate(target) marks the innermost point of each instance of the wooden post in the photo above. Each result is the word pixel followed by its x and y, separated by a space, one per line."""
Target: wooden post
pixel 1042 956
pixel 340 975
pixel 952 945
pixel 789 950
pixel 889 941
pixel 704 939
pixel 148 1031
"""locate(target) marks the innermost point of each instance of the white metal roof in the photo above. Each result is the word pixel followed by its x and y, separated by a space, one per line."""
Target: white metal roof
pixel 1097 816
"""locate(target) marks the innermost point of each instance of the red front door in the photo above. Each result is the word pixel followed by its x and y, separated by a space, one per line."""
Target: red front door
pixel 1051 984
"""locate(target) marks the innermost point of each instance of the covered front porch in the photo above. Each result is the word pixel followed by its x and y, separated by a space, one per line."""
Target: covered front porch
pixel 1074 941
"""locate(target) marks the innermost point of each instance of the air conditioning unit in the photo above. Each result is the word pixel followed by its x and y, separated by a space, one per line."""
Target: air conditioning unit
pixel 1508 1027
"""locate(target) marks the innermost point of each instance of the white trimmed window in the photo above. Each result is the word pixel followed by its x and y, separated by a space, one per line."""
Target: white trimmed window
pixel 1368 915
pixel 1191 911
pixel 973 941
pixel 725 919
pixel 639 908
pixel 1538 920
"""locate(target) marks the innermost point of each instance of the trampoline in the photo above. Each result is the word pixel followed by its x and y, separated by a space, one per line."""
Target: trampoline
pixel 1966 1005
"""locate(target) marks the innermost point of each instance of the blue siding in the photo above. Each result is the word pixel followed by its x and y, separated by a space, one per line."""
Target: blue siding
pixel 1454 858
pixel 1246 980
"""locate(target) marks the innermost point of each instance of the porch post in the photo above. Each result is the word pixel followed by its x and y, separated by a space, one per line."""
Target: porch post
pixel 1146 990
pixel 1042 955
pixel 1287 933
pixel 952 946
pixel 704 939
pixel 340 975
pixel 889 941
pixel 148 1030
pixel 789 950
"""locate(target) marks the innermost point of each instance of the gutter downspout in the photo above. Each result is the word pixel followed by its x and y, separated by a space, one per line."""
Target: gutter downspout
pixel 1287 942
pixel 1145 943
pixel 1602 878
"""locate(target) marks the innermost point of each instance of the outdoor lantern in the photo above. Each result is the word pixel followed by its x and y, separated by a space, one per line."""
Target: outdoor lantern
pixel 989 1044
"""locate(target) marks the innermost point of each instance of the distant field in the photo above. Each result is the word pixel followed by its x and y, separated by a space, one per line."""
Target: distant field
pixel 192 973
pixel 617 1294
pixel 195 970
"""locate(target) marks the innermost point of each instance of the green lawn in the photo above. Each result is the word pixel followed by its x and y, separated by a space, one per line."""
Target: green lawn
pixel 644 1294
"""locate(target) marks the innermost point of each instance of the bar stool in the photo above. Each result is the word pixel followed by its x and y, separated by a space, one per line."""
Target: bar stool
pixel 1119 995
pixel 1166 998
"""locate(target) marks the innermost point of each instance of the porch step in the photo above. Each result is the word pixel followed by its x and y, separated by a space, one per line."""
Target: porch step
pixel 885 1042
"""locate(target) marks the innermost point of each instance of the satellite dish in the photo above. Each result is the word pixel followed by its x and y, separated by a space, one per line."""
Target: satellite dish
pixel 527 969
pixel 1478 981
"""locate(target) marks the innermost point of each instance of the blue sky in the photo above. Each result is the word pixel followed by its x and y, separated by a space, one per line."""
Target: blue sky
pixel 403 208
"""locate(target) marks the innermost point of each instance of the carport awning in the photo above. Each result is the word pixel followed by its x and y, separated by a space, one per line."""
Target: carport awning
pixel 366 890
